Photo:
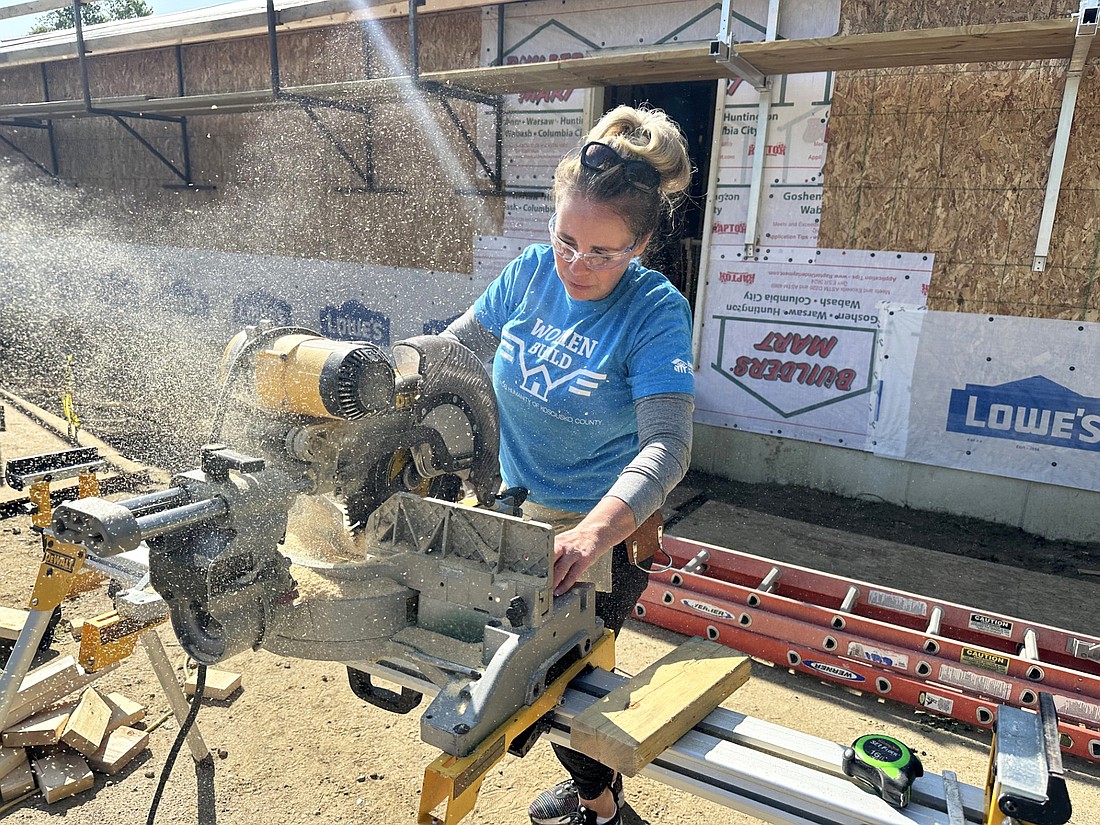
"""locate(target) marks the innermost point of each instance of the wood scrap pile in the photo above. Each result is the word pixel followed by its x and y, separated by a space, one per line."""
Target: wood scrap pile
pixel 60 729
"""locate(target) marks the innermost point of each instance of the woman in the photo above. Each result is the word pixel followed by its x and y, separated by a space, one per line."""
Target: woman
pixel 592 371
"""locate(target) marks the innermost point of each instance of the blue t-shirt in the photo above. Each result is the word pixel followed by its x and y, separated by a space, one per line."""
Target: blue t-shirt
pixel 567 373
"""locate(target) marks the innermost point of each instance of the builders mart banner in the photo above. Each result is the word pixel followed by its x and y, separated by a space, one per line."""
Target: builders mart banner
pixel 788 343
pixel 1016 397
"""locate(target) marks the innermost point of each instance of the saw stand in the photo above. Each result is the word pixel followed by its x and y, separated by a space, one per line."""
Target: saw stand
pixel 779 775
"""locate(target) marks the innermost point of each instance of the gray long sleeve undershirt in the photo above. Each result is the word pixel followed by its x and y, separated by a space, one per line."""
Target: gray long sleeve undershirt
pixel 664 431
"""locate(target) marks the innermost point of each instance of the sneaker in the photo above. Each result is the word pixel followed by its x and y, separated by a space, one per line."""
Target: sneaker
pixel 561 806
pixel 583 816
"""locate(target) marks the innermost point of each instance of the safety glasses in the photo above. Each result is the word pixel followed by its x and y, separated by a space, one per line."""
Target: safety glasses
pixel 601 158
pixel 592 260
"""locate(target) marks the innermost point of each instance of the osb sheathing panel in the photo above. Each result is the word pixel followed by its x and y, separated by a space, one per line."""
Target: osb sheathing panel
pixel 150 73
pixel 862 16
pixel 20 84
pixel 227 66
pixel 955 162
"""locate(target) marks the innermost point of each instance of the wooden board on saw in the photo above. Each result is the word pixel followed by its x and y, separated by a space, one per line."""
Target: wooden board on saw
pixel 634 723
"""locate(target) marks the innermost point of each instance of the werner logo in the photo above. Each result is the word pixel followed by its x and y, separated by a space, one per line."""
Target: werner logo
pixel 832 671
pixel 1035 410
pixel 709 609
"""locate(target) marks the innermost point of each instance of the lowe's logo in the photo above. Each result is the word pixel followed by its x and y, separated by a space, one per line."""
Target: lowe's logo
pixel 1034 409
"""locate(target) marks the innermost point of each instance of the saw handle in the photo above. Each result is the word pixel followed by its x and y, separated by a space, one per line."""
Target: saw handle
pixel 394 702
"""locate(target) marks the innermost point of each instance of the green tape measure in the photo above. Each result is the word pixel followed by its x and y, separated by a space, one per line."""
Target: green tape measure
pixel 884 766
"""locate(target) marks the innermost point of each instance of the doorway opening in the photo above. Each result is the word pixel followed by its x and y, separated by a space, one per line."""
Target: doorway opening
pixel 677 251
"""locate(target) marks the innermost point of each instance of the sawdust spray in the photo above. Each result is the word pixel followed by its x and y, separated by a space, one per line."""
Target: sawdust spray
pixel 111 276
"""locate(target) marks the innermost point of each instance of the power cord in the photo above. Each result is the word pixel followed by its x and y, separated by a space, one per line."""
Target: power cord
pixel 189 720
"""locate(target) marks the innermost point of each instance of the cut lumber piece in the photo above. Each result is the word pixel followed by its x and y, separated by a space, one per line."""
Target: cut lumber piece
pixel 87 724
pixel 44 678
pixel 17 781
pixel 11 622
pixel 124 711
pixel 46 685
pixel 41 729
pixel 10 759
pixel 630 726
pixel 220 684
pixel 61 775
pixel 119 748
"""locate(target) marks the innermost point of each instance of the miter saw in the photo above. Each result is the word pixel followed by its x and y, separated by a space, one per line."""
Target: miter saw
pixel 458 594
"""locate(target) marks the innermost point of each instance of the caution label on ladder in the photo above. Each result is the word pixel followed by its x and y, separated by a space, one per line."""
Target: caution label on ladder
pixel 993 625
pixel 984 659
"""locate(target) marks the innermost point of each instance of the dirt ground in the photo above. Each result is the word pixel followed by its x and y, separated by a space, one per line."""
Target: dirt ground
pixel 296 746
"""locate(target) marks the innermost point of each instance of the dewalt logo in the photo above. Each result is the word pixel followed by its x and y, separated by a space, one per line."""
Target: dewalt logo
pixel 59 560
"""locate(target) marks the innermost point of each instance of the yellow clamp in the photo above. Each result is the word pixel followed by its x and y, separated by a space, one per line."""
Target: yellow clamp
pixel 110 638
pixel 456 780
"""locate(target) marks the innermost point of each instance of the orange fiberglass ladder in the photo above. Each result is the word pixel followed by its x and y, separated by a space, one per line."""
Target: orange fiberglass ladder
pixel 942 657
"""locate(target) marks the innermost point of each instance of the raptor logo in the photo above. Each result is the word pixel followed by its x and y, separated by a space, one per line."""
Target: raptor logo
pixel 537 380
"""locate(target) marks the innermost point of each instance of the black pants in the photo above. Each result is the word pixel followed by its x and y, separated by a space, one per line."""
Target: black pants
pixel 627 584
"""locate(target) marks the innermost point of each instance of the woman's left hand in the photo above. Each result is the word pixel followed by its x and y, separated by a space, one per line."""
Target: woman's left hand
pixel 574 552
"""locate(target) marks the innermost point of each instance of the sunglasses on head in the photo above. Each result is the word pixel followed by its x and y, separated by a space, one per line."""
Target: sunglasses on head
pixel 601 158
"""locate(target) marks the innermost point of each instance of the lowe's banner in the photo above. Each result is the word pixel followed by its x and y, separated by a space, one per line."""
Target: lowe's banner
pixel 1018 400
pixel 789 340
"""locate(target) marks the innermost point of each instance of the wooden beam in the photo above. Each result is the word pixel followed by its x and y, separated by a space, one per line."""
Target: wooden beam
pixel 996 42
pixel 118 750
pixel 210 24
pixel 11 622
pixel 18 780
pixel 220 684
pixel 61 775
pixel 124 711
pixel 638 720
pixel 40 730
pixel 33 7
pixel 41 683
pixel 48 683
pixel 10 759
pixel 87 724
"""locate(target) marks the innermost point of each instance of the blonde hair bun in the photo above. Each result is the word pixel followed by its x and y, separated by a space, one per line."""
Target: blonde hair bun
pixel 651 136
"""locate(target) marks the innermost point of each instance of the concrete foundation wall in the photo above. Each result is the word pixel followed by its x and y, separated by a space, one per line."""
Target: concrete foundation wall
pixel 1043 509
